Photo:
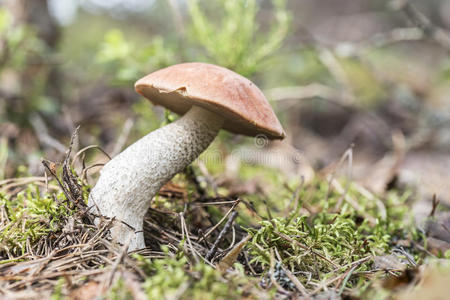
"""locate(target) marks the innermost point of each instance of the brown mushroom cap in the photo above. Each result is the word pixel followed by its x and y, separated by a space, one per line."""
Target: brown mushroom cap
pixel 241 103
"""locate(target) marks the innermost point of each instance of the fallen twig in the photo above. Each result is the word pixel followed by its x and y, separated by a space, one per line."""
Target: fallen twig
pixel 222 234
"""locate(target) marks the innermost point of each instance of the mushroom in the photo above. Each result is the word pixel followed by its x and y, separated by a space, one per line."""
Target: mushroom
pixel 209 98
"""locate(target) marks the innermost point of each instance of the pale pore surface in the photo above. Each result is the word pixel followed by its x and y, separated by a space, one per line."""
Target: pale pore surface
pixel 131 179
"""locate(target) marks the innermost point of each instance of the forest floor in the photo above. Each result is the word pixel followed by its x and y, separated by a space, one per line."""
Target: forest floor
pixel 323 238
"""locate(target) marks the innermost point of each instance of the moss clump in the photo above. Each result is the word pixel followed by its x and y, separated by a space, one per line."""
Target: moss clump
pixel 326 236
pixel 28 216
pixel 174 276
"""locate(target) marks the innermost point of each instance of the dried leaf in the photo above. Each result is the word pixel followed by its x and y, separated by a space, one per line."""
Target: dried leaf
pixel 229 259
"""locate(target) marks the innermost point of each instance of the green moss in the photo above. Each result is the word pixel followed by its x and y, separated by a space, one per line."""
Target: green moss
pixel 324 240
pixel 174 276
pixel 30 215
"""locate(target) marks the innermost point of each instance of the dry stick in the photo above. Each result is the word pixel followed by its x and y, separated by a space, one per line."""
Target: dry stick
pixel 84 172
pixel 63 257
pixel 353 265
pixel 44 264
pixel 63 188
pixel 291 240
pixel 441 36
pixel 55 275
pixel 233 239
pixel 35 180
pixel 400 149
pixel 269 213
pixel 348 154
pixel 247 261
pixel 222 234
pixel 215 203
pixel 220 222
pixel 294 199
pixel 292 277
pixel 122 139
pixel 297 283
pixel 188 238
pixel 65 262
pixel 272 275
pixel 66 189
pixel 46 182
pixel 41 130
pixel 435 203
pixel 163 234
pixel 119 259
pixel 357 262
pixel 22 180
pixel 200 233
pixel 69 179
pixel 87 148
pixel 99 232
pixel 83 163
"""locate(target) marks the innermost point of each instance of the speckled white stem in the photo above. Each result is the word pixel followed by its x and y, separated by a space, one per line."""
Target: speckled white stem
pixel 131 179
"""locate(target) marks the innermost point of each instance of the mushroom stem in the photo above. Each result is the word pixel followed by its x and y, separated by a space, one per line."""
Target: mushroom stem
pixel 130 180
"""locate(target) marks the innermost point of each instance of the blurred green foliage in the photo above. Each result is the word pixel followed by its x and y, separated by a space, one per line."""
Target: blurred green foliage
pixel 235 41
pixel 18 42
pixel 3 156
pixel 24 60
pixel 363 83
pixel 130 61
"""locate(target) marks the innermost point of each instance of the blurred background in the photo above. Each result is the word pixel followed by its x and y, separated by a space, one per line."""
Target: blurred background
pixel 370 76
